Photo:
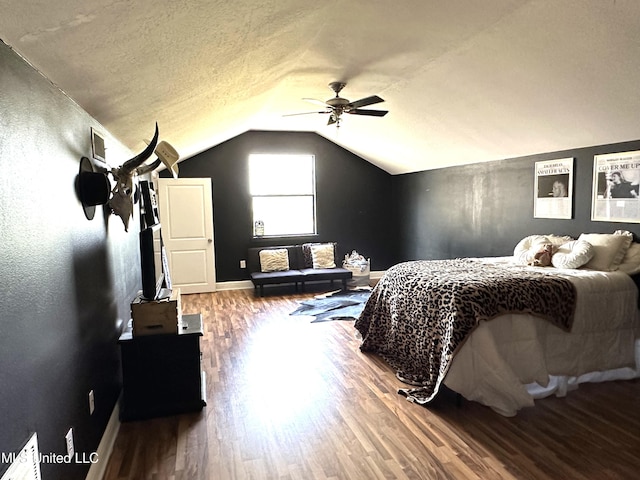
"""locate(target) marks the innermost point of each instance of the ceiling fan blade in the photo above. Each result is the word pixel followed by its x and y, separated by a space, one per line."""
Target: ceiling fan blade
pixel 371 113
pixel 317 102
pixel 304 113
pixel 363 102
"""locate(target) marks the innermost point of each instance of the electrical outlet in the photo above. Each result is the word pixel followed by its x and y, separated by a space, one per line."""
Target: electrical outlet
pixel 92 404
pixel 243 264
pixel 69 439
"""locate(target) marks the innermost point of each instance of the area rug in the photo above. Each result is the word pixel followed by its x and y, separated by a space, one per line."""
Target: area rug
pixel 341 305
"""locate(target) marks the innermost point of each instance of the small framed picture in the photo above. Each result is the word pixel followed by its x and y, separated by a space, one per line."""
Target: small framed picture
pixel 97 146
pixel 553 189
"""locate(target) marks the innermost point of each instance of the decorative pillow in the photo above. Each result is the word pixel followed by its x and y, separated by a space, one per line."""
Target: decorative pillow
pixel 631 261
pixel 526 248
pixel 527 242
pixel 274 260
pixel 306 254
pixel 609 250
pixel 573 254
pixel 542 255
pixel 558 240
pixel 323 256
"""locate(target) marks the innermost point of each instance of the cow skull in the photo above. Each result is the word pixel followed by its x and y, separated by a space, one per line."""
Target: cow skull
pixel 121 201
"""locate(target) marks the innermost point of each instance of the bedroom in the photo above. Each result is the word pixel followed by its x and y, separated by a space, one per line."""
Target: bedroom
pixel 69 280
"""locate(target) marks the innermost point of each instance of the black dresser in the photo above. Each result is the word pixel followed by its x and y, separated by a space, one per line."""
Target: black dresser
pixel 162 374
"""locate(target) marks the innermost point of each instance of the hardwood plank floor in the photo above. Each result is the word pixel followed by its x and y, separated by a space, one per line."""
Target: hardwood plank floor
pixel 290 399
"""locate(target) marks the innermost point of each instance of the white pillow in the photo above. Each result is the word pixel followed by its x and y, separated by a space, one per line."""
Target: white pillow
pixel 322 256
pixel 526 248
pixel 573 254
pixel 609 250
pixel 527 242
pixel 274 260
pixel 536 240
pixel 557 240
pixel 631 261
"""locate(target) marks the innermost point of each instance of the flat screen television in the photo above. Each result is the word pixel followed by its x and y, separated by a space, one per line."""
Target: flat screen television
pixel 155 271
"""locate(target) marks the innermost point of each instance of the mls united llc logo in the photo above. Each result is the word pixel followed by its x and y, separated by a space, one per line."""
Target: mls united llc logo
pixel 23 457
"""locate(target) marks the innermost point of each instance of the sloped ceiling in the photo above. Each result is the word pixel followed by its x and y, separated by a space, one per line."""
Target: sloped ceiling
pixel 464 80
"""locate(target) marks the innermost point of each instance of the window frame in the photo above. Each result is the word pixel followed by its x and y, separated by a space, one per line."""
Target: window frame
pixel 312 195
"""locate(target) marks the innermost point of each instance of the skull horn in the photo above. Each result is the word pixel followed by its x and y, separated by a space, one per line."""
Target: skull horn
pixel 148 168
pixel 130 165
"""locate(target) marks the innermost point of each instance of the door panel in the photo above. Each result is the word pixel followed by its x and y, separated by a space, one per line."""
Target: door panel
pixel 186 214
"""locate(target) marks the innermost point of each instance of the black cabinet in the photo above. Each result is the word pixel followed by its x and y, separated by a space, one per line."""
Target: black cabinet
pixel 162 374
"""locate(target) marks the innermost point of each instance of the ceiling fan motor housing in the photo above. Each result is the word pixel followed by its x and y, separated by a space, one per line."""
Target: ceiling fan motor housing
pixel 337 102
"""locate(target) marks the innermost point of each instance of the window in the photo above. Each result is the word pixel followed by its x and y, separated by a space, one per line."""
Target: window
pixel 283 191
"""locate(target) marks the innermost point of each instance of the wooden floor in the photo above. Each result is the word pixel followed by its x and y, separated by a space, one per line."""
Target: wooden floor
pixel 290 399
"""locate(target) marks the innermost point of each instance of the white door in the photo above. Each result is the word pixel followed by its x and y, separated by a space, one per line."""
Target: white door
pixel 186 214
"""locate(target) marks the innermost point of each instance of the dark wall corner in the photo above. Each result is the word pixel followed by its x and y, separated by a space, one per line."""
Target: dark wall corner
pixel 353 206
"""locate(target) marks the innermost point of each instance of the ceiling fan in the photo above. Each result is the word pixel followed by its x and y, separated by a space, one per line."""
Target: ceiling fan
pixel 337 105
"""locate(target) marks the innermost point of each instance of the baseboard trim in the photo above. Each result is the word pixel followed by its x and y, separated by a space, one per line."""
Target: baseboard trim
pixel 108 440
pixel 236 285
pixel 248 285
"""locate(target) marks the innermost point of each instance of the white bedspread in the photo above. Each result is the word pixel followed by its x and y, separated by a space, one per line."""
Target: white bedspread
pixel 512 359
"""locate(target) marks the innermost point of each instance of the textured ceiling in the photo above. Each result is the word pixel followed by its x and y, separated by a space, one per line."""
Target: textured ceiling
pixel 464 80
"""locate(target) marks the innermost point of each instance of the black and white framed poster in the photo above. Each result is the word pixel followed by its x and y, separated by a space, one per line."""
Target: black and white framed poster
pixel 616 187
pixel 553 189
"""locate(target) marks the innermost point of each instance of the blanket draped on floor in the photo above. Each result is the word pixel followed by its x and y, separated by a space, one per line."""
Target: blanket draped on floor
pixel 420 313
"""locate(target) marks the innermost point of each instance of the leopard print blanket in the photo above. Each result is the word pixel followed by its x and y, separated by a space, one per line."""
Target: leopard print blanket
pixel 420 313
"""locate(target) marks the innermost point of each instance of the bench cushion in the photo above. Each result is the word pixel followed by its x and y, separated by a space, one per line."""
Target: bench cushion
pixel 269 278
pixel 338 273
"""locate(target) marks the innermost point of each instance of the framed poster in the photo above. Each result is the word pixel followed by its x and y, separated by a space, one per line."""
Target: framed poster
pixel 553 190
pixel 616 187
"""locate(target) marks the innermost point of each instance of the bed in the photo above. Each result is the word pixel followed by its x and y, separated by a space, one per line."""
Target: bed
pixel 504 331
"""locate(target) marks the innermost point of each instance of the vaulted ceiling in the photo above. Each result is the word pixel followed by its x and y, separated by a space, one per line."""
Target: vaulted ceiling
pixel 464 80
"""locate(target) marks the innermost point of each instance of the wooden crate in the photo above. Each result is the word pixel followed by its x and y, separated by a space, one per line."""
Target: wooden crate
pixel 157 317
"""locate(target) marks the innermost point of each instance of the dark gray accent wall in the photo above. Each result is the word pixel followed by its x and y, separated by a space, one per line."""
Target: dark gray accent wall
pixel 353 204
pixel 484 209
pixel 66 281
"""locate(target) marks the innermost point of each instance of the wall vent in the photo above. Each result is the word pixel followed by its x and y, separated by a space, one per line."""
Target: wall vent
pixel 25 465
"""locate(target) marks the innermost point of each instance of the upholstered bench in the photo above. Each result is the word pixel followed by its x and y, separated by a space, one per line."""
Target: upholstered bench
pixel 296 264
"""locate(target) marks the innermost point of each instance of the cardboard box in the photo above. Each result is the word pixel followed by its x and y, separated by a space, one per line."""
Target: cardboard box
pixel 157 317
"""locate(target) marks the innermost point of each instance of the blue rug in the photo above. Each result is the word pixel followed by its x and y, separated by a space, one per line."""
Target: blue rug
pixel 340 306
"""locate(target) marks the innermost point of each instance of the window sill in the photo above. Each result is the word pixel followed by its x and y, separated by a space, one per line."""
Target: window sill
pixel 273 237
